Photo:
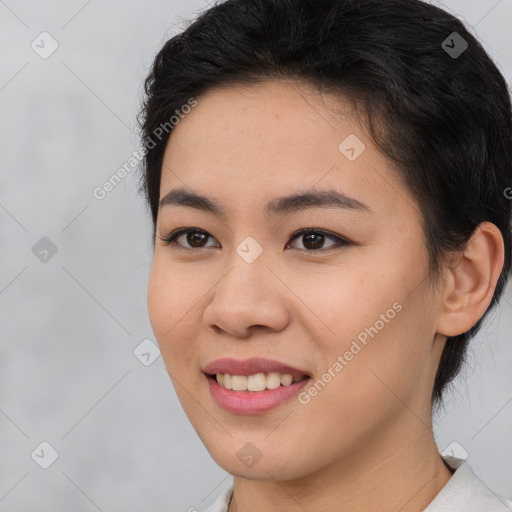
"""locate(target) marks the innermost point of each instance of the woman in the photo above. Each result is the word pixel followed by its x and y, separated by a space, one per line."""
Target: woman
pixel 327 181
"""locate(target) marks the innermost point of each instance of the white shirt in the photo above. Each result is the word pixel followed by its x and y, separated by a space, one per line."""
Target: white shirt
pixel 464 492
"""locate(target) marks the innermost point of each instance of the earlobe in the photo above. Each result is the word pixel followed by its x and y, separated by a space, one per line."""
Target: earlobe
pixel 470 282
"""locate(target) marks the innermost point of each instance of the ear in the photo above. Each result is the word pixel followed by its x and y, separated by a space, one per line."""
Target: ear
pixel 471 280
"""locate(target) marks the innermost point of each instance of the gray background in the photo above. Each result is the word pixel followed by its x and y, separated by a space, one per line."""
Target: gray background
pixel 69 326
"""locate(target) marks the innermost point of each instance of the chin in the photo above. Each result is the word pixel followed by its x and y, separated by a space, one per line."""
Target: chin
pixel 252 463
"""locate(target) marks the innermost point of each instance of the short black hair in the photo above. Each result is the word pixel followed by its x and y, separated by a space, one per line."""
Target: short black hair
pixel 439 111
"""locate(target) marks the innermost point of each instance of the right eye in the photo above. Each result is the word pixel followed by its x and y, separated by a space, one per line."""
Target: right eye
pixel 195 237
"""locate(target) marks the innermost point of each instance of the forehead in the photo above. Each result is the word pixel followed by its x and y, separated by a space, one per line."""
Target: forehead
pixel 246 144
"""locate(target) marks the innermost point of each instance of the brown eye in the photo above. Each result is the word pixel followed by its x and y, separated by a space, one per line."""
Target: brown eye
pixel 314 239
pixel 196 239
pixel 188 238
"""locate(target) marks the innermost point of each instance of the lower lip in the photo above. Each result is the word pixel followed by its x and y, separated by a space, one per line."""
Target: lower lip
pixel 253 402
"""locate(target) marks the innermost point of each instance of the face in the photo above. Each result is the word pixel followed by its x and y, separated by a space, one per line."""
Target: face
pixel 346 302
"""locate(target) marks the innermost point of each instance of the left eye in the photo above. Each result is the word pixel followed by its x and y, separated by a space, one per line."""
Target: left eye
pixel 312 239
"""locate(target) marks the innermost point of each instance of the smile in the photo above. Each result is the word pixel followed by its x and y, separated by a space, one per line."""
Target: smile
pixel 253 402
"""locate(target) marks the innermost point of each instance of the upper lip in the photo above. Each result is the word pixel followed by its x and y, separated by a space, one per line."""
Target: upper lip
pixel 251 366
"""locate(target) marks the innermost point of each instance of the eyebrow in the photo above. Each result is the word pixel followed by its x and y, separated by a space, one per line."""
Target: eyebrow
pixel 281 205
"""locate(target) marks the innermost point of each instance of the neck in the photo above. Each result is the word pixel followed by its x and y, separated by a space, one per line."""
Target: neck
pixel 390 474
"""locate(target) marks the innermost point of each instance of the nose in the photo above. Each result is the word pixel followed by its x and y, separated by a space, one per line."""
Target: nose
pixel 249 297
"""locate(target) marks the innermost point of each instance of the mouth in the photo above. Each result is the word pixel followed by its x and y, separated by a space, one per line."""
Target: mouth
pixel 253 386
pixel 246 402
pixel 251 367
pixel 255 383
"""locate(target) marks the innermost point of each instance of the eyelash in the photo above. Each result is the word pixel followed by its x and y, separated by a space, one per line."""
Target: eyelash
pixel 171 239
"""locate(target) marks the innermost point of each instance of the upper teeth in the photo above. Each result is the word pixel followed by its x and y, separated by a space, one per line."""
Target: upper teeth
pixel 257 382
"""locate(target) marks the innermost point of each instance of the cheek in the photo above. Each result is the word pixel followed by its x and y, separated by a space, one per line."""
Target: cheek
pixel 375 324
pixel 173 306
pixel 386 367
pixel 160 301
pixel 344 300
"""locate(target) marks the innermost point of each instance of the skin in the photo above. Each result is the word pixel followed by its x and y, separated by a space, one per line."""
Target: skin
pixel 365 441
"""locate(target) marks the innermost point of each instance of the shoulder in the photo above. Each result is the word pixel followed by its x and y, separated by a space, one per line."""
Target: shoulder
pixel 466 492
